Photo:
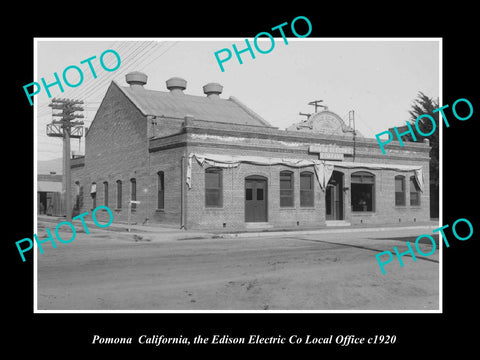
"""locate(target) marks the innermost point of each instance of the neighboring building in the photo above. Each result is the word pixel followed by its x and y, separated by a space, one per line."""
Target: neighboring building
pixel 207 162
pixel 49 188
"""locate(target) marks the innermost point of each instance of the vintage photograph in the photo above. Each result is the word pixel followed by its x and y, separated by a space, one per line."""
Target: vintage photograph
pixel 259 188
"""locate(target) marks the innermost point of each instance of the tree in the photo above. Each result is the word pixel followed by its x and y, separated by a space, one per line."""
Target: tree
pixel 425 105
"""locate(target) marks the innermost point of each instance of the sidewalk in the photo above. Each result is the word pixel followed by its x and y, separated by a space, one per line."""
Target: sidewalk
pixel 157 231
pixel 166 232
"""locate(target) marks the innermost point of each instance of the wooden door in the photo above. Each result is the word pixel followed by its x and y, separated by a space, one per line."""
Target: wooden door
pixel 256 199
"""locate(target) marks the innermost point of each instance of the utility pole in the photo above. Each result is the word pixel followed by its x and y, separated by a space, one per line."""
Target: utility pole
pixel 351 124
pixel 316 104
pixel 304 114
pixel 66 129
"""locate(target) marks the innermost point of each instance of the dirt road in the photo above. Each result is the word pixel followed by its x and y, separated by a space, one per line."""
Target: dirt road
pixel 112 271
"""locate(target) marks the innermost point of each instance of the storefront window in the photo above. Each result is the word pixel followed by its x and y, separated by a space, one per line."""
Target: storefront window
pixel 363 191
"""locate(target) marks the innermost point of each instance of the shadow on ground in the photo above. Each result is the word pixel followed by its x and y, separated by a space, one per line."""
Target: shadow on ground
pixel 411 239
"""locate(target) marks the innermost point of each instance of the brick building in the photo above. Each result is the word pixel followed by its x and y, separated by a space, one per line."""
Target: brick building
pixel 207 162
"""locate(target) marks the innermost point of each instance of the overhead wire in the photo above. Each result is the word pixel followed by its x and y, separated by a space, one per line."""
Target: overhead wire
pixel 92 83
pixel 146 52
pixel 93 94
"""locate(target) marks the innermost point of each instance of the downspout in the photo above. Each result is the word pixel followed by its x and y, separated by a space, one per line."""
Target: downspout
pixel 187 121
pixel 150 121
pixel 182 193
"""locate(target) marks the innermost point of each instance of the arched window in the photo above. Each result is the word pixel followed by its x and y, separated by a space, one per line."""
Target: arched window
pixel 160 190
pixel 286 189
pixel 213 187
pixel 400 190
pixel 119 194
pixel 414 192
pixel 363 191
pixel 306 189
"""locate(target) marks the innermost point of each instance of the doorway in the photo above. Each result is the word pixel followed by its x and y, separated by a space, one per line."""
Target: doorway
pixel 42 202
pixel 256 195
pixel 334 197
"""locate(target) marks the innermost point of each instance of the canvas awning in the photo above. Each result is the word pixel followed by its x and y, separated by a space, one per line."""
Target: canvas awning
pixel 323 168
pixel 49 186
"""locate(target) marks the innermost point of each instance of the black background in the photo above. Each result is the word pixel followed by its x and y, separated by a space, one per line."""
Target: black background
pixel 56 335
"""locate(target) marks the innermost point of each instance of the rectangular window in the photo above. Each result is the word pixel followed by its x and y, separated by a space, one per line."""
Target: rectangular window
pixel 213 187
pixel 161 191
pixel 414 192
pixel 93 194
pixel 105 193
pixel 133 192
pixel 259 194
pixel 286 189
pixel 399 191
pixel 306 189
pixel 248 194
pixel 77 195
pixel 119 194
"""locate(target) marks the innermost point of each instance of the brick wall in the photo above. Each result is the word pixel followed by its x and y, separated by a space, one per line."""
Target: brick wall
pixel 160 126
pixel 232 214
pixel 233 211
pixel 123 144
pixel 169 161
pixel 115 149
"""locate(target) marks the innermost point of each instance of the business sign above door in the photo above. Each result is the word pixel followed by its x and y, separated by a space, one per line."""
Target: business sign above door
pixel 330 151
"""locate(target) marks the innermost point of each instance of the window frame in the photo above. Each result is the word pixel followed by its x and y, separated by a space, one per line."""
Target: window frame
pixel 219 189
pixel 291 190
pixel 119 190
pixel 161 190
pixel 364 175
pixel 133 192
pixel 105 193
pixel 403 192
pixel 93 194
pixel 310 191
pixel 417 191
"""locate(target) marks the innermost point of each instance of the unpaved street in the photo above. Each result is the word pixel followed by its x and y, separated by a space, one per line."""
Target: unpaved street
pixel 111 271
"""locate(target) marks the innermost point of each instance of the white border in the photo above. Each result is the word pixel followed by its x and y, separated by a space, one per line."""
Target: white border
pixel 386 39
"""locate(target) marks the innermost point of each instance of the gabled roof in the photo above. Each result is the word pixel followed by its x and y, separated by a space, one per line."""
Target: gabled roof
pixel 167 104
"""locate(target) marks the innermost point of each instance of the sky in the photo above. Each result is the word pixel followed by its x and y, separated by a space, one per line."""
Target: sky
pixel 377 78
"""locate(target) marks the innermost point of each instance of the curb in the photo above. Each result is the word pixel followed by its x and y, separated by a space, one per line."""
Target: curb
pixel 321 231
pixel 177 234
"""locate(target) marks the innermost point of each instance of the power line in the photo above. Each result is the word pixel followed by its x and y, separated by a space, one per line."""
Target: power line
pixel 91 83
pixel 132 65
pixel 144 51
pixel 363 122
pixel 175 43
pixel 93 92
pixel 92 86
